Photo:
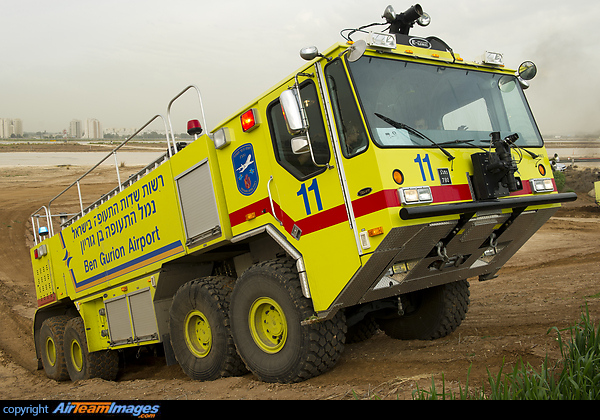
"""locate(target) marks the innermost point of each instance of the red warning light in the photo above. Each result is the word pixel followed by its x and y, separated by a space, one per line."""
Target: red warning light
pixel 194 128
pixel 249 120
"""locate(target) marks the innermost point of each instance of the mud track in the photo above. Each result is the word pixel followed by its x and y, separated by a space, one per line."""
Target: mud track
pixel 544 285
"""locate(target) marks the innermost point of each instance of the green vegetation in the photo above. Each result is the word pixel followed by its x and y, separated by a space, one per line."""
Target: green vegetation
pixel 575 377
pixel 560 179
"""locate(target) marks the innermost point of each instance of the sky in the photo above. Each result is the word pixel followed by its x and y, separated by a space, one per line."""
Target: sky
pixel 122 61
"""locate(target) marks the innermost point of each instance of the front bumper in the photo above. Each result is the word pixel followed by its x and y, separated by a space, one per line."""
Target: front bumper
pixel 410 213
pixel 435 253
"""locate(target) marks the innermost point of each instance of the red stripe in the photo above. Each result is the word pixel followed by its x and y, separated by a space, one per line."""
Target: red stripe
pixel 527 188
pixel 362 206
pixel 309 224
pixel 258 208
pixel 446 193
pixel 375 202
pixel 318 221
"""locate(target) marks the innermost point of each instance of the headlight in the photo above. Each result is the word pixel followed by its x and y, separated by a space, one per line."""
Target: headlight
pixel 542 185
pixel 415 195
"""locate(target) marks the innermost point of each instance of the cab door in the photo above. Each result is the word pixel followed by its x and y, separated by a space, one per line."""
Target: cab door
pixel 359 171
pixel 307 196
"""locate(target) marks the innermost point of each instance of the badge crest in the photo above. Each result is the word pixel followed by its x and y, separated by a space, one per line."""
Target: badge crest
pixel 246 172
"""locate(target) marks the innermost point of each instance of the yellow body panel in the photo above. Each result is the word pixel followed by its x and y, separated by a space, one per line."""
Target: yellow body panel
pixel 126 237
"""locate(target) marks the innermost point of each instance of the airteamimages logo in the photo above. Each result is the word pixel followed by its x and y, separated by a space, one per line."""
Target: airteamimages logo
pixel 246 172
pixel 142 411
pixel 82 409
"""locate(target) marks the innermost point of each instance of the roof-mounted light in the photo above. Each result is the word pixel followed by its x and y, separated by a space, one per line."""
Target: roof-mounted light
pixel 493 58
pixel 380 40
pixel 194 128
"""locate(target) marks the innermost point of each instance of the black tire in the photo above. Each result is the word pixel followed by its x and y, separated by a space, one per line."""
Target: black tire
pixel 267 309
pixel 362 331
pixel 82 364
pixel 200 331
pixel 430 313
pixel 50 341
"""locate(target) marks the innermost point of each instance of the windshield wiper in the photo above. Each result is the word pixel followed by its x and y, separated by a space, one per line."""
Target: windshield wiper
pixel 402 126
pixel 530 153
pixel 447 143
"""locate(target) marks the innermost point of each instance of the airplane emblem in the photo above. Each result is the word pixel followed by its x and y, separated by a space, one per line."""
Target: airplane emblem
pixel 244 166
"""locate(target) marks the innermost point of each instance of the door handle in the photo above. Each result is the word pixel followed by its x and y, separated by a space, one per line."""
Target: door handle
pixel 271 200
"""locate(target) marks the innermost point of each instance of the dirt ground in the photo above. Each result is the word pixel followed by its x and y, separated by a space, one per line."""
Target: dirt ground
pixel 546 284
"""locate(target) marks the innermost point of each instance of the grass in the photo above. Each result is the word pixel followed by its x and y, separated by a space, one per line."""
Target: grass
pixel 575 377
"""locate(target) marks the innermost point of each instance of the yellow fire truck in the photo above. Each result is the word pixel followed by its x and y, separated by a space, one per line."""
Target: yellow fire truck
pixel 360 193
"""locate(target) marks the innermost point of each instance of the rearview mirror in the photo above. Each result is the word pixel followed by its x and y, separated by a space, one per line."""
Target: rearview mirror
pixel 506 83
pixel 527 70
pixel 357 50
pixel 300 145
pixel 292 112
pixel 309 53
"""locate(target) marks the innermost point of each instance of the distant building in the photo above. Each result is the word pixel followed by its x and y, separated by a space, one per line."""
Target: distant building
pixel 18 127
pixel 4 128
pixel 11 128
pixel 75 129
pixel 93 129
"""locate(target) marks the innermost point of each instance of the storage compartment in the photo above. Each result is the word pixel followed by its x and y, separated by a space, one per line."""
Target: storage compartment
pixel 198 204
pixel 131 318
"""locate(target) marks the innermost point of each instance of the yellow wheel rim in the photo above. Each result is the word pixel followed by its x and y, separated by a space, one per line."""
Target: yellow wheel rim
pixel 198 335
pixel 268 325
pixel 50 351
pixel 76 355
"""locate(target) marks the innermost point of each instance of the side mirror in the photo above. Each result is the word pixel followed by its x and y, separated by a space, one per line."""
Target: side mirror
pixel 300 145
pixel 527 70
pixel 292 112
pixel 506 83
pixel 309 53
pixel 357 50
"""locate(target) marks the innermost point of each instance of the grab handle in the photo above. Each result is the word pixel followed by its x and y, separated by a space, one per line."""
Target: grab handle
pixel 271 200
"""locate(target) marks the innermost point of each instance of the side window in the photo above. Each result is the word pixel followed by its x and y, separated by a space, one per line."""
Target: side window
pixel 352 134
pixel 301 166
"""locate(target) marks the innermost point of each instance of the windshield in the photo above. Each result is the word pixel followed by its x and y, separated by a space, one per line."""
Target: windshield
pixel 444 104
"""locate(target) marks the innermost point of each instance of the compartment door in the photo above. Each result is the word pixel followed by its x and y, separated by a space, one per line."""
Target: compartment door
pixel 198 204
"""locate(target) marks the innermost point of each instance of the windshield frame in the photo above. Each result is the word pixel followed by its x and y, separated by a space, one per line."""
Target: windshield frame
pixel 445 137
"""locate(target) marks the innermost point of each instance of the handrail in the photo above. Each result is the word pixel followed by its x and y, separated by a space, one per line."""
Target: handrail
pixel 48 221
pixel 171 150
pixel 77 182
pixel 169 111
pixel 107 156
pixel 133 178
pixel 271 200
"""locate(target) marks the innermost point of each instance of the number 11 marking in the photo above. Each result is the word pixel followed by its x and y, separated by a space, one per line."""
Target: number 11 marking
pixel 420 162
pixel 314 187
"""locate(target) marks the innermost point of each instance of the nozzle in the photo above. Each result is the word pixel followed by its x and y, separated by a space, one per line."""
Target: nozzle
pixel 401 23
pixel 412 14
